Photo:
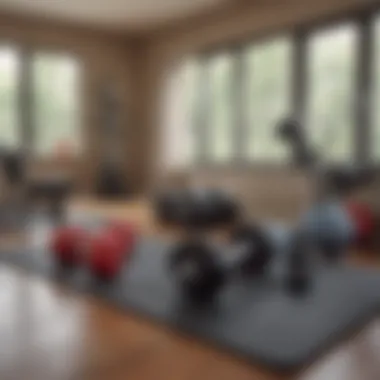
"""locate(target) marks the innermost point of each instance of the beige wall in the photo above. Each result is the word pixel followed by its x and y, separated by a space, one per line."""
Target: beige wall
pixel 104 57
pixel 259 189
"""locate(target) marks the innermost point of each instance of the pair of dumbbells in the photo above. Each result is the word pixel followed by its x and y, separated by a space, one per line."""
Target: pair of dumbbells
pixel 103 252
pixel 201 272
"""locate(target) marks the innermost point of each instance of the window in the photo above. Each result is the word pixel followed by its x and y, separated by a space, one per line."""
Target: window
pixel 331 56
pixel 9 76
pixel 220 120
pixel 240 94
pixel 56 104
pixel 375 92
pixel 178 140
pixel 268 92
pixel 191 77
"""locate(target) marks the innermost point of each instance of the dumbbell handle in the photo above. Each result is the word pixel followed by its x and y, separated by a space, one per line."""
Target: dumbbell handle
pixel 234 254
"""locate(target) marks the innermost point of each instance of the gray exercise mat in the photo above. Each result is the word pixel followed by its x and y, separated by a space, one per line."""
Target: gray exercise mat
pixel 257 319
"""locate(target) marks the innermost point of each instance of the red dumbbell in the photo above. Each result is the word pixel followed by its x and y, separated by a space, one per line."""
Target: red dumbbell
pixel 67 244
pixel 125 232
pixel 364 221
pixel 109 249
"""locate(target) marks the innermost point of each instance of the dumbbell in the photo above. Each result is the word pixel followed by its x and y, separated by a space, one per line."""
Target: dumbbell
pixel 201 271
pixel 196 270
pixel 364 222
pixel 67 244
pixel 329 228
pixel 256 249
pixel 298 273
pixel 109 249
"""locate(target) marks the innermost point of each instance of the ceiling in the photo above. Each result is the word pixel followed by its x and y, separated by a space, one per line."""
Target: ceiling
pixel 111 14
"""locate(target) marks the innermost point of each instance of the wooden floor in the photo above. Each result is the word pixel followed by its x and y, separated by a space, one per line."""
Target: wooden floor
pixel 50 333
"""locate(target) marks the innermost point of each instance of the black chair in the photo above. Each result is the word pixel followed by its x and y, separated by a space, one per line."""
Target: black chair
pixel 25 190
pixel 13 163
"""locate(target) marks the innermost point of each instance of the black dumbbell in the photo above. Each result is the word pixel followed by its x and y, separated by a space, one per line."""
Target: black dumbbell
pixel 298 276
pixel 256 249
pixel 332 249
pixel 197 270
